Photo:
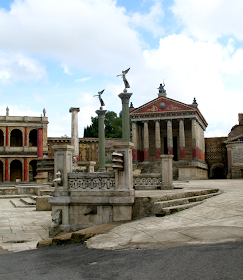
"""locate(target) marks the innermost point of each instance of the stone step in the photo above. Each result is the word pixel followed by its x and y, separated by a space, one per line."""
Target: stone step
pixel 177 208
pixel 180 201
pixel 28 201
pixel 15 196
pixel 17 203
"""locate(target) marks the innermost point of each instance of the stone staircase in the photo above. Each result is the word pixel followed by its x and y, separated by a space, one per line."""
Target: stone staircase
pixel 24 202
pixel 166 204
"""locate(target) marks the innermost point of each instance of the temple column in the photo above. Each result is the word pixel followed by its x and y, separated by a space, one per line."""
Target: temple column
pixel 6 170
pixel 182 138
pixel 25 170
pixel 140 143
pixel 135 141
pixel 169 137
pixel 74 136
pixel 146 140
pixel 194 138
pixel 157 139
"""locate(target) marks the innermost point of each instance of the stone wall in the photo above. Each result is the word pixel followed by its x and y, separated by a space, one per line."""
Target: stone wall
pixel 216 156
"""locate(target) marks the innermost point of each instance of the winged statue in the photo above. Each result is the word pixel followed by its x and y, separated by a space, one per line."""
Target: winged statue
pixel 124 78
pixel 101 100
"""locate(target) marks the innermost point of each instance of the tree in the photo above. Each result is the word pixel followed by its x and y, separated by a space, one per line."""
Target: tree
pixel 113 126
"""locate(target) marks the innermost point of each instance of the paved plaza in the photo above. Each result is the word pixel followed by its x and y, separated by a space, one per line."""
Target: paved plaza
pixel 218 219
pixel 21 228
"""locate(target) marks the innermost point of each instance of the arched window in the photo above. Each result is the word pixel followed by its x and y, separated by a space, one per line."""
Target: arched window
pixel 15 170
pixel 33 138
pixel 16 139
pixel 32 170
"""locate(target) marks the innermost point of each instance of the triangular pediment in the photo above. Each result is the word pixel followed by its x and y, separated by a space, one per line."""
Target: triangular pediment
pixel 234 140
pixel 162 104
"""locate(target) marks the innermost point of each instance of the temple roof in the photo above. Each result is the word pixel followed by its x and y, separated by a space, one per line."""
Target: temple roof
pixel 166 108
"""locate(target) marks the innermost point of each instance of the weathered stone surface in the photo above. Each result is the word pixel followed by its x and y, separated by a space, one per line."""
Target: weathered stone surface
pixel 42 203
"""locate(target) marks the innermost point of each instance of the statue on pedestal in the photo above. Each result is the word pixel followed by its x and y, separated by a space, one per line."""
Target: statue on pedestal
pixel 124 79
pixel 101 100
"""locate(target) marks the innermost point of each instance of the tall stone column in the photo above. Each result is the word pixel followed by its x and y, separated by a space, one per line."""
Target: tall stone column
pixel 182 138
pixel 101 132
pixel 146 140
pixel 157 139
pixel 125 97
pixel 169 137
pixel 194 138
pixel 74 136
pixel 6 170
pixel 135 141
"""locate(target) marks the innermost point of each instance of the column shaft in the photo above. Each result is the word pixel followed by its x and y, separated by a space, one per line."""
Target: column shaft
pixel 135 141
pixel 125 116
pixel 194 139
pixel 25 137
pixel 169 137
pixel 182 138
pixel 146 141
pixel 7 137
pixel 157 140
pixel 74 132
pixel 25 170
pixel 6 170
pixel 101 133
pixel 39 143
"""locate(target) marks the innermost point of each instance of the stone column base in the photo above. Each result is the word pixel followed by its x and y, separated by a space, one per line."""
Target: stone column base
pixel 41 178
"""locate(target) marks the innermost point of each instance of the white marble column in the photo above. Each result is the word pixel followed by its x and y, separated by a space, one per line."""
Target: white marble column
pixel 169 137
pixel 74 136
pixel 135 141
pixel 182 138
pixel 146 141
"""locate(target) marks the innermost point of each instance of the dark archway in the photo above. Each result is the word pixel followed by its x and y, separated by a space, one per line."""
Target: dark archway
pixel 218 173
pixel 1 171
pixel 32 170
pixel 15 170
pixel 33 138
pixel 16 138
pixel 1 138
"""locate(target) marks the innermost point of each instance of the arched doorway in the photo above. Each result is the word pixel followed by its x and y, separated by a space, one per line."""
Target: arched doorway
pixel 217 171
pixel 1 171
pixel 15 170
pixel 16 139
pixel 33 138
pixel 1 138
pixel 32 170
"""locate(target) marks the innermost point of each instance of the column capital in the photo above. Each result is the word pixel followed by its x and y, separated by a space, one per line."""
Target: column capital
pixel 182 119
pixel 157 120
pixel 145 121
pixel 125 97
pixel 72 109
pixel 167 120
pixel 100 113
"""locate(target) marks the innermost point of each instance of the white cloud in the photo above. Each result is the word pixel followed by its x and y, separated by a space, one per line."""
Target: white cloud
pixel 17 67
pixel 57 85
pixel 85 34
pixel 210 19
pixel 150 21
pixel 66 70
pixel 82 80
pixel 18 110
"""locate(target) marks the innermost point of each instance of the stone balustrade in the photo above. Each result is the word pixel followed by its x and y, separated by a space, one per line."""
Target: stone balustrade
pixel 92 181
pixel 152 181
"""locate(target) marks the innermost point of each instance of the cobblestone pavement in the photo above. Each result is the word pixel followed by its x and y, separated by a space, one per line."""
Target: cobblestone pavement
pixel 217 219
pixel 21 228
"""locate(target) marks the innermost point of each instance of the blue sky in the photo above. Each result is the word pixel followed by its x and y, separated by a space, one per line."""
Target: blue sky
pixel 57 54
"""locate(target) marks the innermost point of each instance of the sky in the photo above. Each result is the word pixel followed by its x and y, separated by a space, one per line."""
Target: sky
pixel 58 54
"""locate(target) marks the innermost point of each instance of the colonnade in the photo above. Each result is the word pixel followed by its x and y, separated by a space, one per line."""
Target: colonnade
pixel 140 138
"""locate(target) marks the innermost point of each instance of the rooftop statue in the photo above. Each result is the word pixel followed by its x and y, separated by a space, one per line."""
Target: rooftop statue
pixel 124 79
pixel 101 100
pixel 162 88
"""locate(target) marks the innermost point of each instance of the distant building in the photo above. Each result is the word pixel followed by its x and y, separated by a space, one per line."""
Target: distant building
pixel 22 141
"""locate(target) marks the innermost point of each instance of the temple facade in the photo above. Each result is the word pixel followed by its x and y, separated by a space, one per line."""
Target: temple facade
pixel 167 126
